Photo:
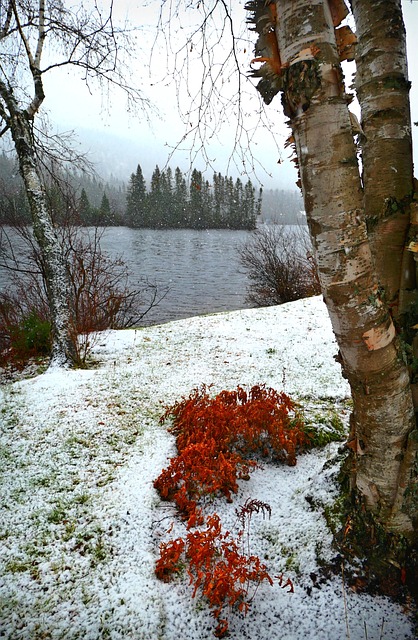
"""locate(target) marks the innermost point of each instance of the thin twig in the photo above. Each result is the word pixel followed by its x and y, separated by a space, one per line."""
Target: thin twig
pixel 382 629
pixel 345 603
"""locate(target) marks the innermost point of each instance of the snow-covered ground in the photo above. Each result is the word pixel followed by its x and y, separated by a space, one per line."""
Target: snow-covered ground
pixel 81 522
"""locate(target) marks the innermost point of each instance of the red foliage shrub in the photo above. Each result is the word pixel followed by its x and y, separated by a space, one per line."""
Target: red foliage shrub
pixel 215 438
pixel 216 566
pixel 168 562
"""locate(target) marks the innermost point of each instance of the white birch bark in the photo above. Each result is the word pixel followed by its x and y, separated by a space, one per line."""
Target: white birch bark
pixel 18 119
pixel 314 100
pixel 55 271
pixel 382 89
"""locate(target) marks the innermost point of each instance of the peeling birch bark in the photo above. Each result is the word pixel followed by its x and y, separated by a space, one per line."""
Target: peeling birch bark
pixel 379 338
pixel 382 88
pixel 383 417
pixel 64 351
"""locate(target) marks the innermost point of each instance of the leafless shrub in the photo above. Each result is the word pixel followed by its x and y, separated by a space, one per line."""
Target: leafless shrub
pixel 280 266
pixel 100 293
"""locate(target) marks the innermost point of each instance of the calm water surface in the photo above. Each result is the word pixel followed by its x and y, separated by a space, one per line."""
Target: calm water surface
pixel 200 269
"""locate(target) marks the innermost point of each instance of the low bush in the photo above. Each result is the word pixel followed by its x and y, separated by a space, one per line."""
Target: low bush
pixel 33 335
pixel 217 567
pixel 24 334
pixel 219 441
pixel 280 265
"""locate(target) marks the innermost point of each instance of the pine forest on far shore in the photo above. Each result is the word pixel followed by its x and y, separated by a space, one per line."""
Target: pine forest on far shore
pixel 169 201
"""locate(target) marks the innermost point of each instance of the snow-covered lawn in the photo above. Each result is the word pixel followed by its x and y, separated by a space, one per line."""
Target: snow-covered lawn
pixel 81 522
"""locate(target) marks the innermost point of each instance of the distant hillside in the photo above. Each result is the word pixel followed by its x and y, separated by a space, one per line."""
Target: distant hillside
pixel 283 206
pixel 116 157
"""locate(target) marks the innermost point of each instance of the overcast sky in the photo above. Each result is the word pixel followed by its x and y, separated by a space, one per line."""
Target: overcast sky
pixel 71 105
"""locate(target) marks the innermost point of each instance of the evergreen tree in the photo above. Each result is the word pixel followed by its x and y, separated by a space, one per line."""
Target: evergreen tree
pixel 218 200
pixel 195 209
pixel 136 200
pixel 84 209
pixel 14 206
pixel 251 206
pixel 179 210
pixel 238 207
pixel 20 206
pixel 229 203
pixel 57 203
pixel 166 198
pixel 154 200
pixel 207 206
pixel 105 213
pixel 259 203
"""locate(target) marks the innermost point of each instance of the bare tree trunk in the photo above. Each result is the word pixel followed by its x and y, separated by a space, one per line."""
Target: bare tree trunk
pixel 383 416
pixel 383 93
pixel 87 39
pixel 19 121
pixel 56 276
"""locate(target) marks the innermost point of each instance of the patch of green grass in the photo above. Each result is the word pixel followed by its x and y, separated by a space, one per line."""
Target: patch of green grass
pixel 58 513
pixel 5 534
pixel 106 478
pixel 17 566
pixel 78 440
pixel 270 535
pixel 70 530
pixel 18 495
pixel 291 560
pixel 91 542
pixel 323 418
pixel 98 551
pixel 5 453
pixel 10 406
pixel 44 481
pixel 325 428
pixel 288 553
pixel 113 440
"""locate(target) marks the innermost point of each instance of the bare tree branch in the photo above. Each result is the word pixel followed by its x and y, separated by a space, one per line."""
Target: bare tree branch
pixel 206 50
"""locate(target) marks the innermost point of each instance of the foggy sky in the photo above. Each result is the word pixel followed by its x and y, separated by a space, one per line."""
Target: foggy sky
pixel 71 105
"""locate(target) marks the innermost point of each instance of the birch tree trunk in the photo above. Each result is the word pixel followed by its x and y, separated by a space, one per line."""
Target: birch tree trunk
pixel 383 429
pixel 382 89
pixel 17 116
pixel 64 350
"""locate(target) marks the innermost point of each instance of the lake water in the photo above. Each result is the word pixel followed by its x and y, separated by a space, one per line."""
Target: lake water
pixel 199 269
